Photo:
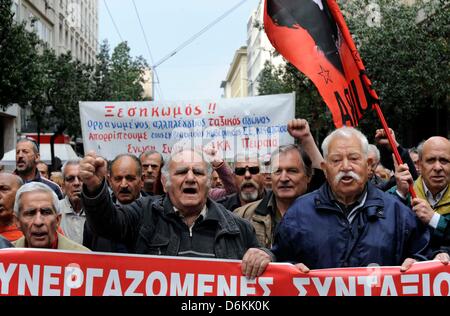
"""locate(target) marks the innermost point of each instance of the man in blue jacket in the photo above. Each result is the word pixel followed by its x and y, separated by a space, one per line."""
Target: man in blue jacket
pixel 348 222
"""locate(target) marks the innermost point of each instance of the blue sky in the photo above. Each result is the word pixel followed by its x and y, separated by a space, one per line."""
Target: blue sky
pixel 197 71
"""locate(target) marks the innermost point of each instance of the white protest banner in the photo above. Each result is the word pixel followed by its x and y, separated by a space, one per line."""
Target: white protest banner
pixel 244 125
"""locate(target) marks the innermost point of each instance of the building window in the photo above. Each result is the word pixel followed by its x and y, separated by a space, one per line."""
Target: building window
pixel 15 10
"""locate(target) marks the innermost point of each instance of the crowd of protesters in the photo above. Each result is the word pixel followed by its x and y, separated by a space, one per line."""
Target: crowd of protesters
pixel 346 205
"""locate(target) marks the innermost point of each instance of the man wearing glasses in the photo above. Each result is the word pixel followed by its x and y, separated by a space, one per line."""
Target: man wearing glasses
pixel 73 216
pixel 249 182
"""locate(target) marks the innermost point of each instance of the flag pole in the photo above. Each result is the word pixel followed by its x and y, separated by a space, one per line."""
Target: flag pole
pixel 392 143
pixel 336 12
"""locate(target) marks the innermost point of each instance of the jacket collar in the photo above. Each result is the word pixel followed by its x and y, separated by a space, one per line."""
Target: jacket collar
pixel 216 212
pixel 373 206
pixel 445 200
pixel 265 207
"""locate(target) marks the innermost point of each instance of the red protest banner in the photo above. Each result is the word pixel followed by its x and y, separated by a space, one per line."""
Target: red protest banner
pixel 309 34
pixel 31 272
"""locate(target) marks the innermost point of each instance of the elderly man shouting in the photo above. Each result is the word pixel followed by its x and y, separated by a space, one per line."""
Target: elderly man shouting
pixel 348 222
pixel 183 223
pixel 38 215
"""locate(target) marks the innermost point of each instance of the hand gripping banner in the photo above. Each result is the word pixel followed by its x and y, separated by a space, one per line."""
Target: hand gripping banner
pixel 31 272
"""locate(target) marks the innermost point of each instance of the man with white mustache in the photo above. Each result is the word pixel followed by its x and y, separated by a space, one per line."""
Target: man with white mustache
pixel 348 222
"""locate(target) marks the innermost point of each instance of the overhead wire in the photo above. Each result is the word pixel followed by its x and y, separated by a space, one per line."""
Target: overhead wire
pixel 114 23
pixel 198 34
pixel 157 83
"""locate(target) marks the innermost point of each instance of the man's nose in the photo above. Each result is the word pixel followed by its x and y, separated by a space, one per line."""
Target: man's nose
pixel 38 219
pixel 437 166
pixel 284 175
pixel 346 165
pixel 247 174
pixel 190 174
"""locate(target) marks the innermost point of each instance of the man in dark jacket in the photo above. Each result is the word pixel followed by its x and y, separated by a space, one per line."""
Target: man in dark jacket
pixel 348 222
pixel 183 223
pixel 27 156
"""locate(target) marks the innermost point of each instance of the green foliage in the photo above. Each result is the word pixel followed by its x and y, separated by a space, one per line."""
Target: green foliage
pixel 51 86
pixel 102 75
pixel 18 60
pixel 126 74
pixel 308 103
pixel 407 60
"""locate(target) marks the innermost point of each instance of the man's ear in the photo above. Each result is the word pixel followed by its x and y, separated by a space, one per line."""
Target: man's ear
pixel 369 164
pixel 58 220
pixel 17 222
pixel 37 158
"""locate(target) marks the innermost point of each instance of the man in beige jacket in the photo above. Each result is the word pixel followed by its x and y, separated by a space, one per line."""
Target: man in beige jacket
pixel 37 210
pixel 291 174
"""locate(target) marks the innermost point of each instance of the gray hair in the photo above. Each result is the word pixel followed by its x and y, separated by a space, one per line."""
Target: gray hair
pixel 32 141
pixel 345 132
pixel 420 149
pixel 152 152
pixel 35 187
pixel 72 162
pixel 373 149
pixel 307 164
pixel 165 169
pixel 16 178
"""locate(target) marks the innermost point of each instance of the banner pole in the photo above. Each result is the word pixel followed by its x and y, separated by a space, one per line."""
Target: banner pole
pixel 336 12
pixel 392 143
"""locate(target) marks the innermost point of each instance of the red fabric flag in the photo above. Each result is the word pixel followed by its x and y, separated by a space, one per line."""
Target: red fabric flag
pixel 313 36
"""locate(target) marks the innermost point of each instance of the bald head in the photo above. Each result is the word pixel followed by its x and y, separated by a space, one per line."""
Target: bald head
pixel 435 163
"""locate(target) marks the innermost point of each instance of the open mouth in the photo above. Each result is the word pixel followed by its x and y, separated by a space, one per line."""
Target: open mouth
pixel 347 179
pixel 248 187
pixel 190 191
pixel 39 235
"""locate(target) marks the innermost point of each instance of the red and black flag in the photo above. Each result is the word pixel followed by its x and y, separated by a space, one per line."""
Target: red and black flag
pixel 313 36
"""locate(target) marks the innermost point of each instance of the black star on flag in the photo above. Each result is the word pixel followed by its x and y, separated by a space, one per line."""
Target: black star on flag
pixel 325 74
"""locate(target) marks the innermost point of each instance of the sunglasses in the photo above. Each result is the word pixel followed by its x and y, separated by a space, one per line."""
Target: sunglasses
pixel 241 171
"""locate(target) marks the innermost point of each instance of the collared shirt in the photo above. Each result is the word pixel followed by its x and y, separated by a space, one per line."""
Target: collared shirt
pixel 72 223
pixel 276 214
pixel 198 239
pixel 350 210
pixel 200 216
pixel 433 201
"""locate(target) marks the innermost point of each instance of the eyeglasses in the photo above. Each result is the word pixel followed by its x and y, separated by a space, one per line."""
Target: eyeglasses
pixel 72 178
pixel 241 171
